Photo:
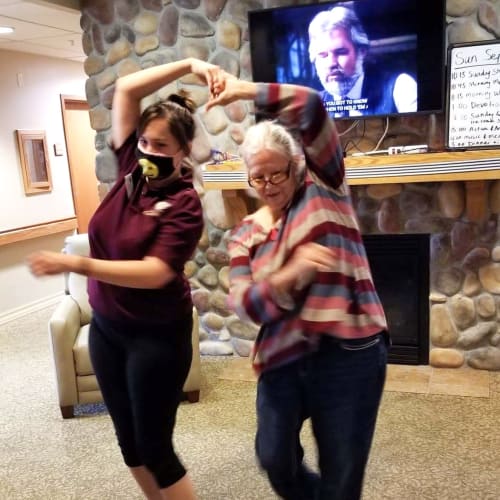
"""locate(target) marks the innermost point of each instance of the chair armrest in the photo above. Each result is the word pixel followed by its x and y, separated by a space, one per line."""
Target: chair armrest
pixel 64 325
pixel 193 380
pixel 195 337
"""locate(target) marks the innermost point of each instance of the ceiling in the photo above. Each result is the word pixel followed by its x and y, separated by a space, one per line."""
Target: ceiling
pixel 49 28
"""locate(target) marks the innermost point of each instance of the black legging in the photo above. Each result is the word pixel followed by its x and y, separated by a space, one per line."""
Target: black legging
pixel 141 370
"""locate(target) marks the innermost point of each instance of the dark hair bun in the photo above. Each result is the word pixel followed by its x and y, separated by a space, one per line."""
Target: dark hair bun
pixel 183 99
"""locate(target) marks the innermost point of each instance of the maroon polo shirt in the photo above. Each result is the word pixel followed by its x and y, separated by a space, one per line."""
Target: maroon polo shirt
pixel 134 221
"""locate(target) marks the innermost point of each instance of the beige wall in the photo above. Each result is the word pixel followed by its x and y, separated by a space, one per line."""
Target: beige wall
pixel 32 101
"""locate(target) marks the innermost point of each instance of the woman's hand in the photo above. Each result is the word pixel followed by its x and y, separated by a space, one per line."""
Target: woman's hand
pixel 308 260
pixel 301 269
pixel 216 79
pixel 49 263
pixel 226 88
pixel 206 71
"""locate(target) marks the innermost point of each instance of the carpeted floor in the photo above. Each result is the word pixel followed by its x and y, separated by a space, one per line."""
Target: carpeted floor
pixel 427 446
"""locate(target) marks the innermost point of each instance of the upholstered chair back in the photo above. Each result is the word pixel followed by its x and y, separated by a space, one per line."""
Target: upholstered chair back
pixel 78 244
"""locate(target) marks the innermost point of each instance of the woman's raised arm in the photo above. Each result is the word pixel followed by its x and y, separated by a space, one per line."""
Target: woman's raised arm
pixel 130 89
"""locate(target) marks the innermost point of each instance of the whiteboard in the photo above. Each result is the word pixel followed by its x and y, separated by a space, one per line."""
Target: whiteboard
pixel 473 111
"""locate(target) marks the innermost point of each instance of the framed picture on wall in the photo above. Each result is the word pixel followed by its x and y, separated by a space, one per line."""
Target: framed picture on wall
pixel 34 157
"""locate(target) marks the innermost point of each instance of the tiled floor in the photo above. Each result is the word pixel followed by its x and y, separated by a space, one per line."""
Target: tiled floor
pixel 238 369
pixel 421 379
pixel 425 379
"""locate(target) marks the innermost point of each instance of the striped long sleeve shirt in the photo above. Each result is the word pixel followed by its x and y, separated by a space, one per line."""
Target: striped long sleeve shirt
pixel 343 302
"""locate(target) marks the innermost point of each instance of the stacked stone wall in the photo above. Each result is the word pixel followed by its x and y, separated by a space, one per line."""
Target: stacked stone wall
pixel 123 36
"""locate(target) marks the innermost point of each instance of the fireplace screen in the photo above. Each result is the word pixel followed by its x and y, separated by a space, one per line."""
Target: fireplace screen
pixel 400 269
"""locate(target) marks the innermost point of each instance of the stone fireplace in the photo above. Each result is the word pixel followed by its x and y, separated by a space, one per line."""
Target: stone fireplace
pixel 451 260
pixel 463 293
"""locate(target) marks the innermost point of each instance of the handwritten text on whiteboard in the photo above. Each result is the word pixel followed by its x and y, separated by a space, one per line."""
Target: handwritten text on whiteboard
pixel 474 96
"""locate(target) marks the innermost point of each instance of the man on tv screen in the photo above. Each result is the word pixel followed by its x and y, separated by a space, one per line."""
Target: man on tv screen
pixel 338 46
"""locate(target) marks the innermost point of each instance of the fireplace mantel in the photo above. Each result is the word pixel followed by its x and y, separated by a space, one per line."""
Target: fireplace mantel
pixel 385 169
pixel 424 167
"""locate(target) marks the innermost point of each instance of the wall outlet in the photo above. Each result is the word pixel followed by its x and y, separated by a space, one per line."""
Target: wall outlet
pixel 395 150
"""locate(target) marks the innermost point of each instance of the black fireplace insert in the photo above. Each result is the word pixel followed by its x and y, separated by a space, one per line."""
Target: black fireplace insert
pixel 400 269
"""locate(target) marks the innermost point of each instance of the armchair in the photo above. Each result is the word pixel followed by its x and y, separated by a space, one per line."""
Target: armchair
pixel 69 333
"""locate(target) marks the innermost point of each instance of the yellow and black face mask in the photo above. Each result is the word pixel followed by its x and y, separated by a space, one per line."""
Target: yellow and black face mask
pixel 155 166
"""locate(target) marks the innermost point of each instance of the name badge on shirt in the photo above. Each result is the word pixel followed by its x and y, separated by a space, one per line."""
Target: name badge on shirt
pixel 158 209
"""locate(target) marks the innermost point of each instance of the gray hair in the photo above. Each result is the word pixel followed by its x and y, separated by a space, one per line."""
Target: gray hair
pixel 340 16
pixel 271 136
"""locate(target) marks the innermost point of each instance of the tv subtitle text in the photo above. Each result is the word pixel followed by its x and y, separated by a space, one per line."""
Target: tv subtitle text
pixel 346 105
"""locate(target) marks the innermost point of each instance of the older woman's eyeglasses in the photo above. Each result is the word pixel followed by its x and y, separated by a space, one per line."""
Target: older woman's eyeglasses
pixel 274 179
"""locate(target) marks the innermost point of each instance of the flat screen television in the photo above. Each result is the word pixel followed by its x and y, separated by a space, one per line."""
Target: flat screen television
pixel 401 43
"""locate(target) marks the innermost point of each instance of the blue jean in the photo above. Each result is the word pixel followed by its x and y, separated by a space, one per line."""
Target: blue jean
pixel 339 388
